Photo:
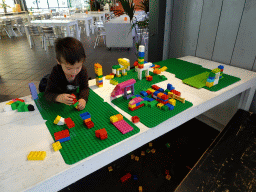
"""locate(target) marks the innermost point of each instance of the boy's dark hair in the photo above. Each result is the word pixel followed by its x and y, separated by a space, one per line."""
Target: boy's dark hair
pixel 69 49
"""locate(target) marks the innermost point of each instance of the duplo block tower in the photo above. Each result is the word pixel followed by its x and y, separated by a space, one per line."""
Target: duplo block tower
pixel 214 76
pixel 99 74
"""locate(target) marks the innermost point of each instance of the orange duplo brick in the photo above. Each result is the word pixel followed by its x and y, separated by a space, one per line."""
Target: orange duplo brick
pixel 120 117
pixel 87 120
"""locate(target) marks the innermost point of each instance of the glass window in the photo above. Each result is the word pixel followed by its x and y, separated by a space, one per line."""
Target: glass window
pixel 63 3
pixel 42 4
pixel 53 3
pixel 31 3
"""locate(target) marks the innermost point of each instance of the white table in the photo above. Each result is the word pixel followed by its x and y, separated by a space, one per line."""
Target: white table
pixel 118 33
pixel 88 20
pixel 100 15
pixel 25 132
pixel 59 23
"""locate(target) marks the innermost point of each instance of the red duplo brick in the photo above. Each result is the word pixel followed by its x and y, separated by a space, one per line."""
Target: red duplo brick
pixel 126 177
pixel 89 124
pixel 164 97
pixel 149 92
pixel 69 122
pixel 135 119
pixel 102 134
pixel 61 134
pixel 155 87
pixel 149 78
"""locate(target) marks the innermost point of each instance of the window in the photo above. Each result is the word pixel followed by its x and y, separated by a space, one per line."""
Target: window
pixel 53 3
pixel 9 3
pixel 63 3
pixel 42 4
pixel 31 3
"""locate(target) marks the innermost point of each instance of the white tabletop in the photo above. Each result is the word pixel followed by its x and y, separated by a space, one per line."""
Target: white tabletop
pixel 51 21
pixel 25 132
pixel 120 20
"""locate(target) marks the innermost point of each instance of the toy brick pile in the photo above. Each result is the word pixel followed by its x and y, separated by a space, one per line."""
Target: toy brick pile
pixel 19 105
pixel 163 99
pixel 214 76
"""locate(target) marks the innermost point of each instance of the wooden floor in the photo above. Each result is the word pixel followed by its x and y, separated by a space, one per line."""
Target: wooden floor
pixel 20 65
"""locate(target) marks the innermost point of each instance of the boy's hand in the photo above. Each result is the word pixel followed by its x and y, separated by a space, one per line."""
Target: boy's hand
pixel 81 104
pixel 65 98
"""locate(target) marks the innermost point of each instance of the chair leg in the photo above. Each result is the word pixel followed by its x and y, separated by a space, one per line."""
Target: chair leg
pixel 7 33
pixel 30 41
pixel 96 42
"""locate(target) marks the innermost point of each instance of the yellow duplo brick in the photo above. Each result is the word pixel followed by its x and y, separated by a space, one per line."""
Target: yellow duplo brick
pixel 100 79
pixel 36 155
pixel 132 156
pixel 153 150
pixel 57 119
pixel 120 117
pixel 110 169
pixel 140 60
pixel 124 74
pixel 209 84
pixel 159 105
pixel 100 73
pixel 56 146
pixel 140 188
pixel 172 102
pixel 113 119
pixel 142 153
pixel 150 144
pixel 10 102
pixel 100 85
pixel 168 177
pixel 118 75
pixel 164 68
pixel 97 65
pixel 137 158
pixel 109 77
pixel 170 94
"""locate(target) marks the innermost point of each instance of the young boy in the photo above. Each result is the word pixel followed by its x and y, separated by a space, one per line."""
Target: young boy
pixel 68 75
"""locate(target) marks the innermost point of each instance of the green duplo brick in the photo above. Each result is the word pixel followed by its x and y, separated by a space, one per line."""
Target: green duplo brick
pixel 116 67
pixel 165 108
pixel 167 91
pixel 140 57
pixel 15 105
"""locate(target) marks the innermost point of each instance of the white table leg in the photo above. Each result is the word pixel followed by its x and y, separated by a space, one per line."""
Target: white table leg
pixel 246 99
pixel 77 32
pixel 68 31
pixel 87 28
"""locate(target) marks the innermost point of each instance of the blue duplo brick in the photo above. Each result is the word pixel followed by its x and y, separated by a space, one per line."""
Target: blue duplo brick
pixel 64 139
pixel 85 115
pixel 161 90
pixel 144 93
pixel 141 54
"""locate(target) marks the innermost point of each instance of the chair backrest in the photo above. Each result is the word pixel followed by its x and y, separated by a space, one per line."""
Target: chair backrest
pixel 33 30
pixel 47 16
pixel 19 21
pixel 47 30
pixel 8 22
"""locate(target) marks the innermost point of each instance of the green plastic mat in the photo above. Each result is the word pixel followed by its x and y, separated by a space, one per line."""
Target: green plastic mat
pixel 197 81
pixel 83 142
pixel 184 70
pixel 150 117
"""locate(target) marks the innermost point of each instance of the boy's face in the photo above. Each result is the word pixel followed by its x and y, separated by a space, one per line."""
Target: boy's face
pixel 71 70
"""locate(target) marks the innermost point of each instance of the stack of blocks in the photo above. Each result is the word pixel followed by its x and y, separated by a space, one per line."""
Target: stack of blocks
pixel 120 124
pixel 62 136
pixel 141 56
pixel 99 74
pixel 75 102
pixel 102 134
pixel 135 103
pixel 87 119
pixel 214 76
pixel 18 104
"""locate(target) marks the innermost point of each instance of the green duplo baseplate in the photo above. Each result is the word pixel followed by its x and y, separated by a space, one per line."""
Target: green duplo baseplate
pixel 185 70
pixel 150 117
pixel 83 142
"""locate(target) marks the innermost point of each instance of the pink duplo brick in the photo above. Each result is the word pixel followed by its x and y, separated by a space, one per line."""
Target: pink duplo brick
pixel 127 83
pixel 135 100
pixel 123 126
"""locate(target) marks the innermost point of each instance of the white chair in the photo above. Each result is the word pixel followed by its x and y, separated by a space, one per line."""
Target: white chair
pixel 32 31
pixel 20 26
pixel 8 28
pixel 100 32
pixel 48 35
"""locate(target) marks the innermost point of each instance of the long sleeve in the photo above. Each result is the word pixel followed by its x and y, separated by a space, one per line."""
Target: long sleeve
pixel 84 87
pixel 52 90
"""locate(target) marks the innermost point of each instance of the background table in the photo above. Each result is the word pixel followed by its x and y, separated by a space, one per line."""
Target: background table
pixel 118 33
pixel 25 132
pixel 59 23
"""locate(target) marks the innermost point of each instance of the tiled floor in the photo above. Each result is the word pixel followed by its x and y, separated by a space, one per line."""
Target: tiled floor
pixel 20 65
